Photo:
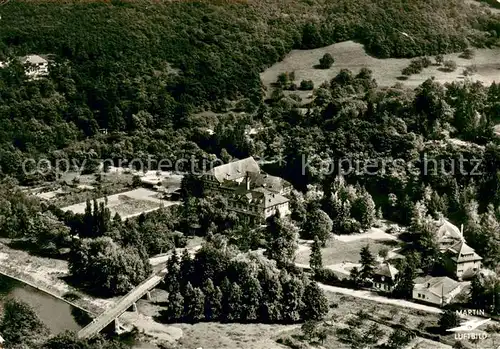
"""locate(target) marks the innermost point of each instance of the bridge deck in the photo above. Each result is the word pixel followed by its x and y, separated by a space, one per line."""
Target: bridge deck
pixel 106 317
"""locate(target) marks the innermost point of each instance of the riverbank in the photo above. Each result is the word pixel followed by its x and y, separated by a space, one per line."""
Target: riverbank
pixel 47 275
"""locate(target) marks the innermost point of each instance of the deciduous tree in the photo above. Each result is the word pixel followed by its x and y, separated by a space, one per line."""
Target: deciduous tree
pixel 315 303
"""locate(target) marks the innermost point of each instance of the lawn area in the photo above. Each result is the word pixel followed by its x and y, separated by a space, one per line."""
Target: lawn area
pixel 348 307
pixel 351 55
pixel 337 251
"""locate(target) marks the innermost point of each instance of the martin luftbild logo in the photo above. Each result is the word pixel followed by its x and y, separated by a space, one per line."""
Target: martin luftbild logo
pixel 468 330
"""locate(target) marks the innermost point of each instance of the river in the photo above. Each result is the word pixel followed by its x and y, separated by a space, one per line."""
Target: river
pixel 56 314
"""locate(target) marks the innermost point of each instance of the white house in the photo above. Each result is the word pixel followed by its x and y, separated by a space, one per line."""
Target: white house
pixel 436 290
pixel 462 260
pixel 35 66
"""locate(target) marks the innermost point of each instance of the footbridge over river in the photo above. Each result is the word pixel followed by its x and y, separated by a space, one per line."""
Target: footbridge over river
pixel 128 301
pixel 111 315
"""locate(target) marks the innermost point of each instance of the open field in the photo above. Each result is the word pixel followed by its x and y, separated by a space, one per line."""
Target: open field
pixel 337 251
pixel 204 335
pixel 128 204
pixel 351 55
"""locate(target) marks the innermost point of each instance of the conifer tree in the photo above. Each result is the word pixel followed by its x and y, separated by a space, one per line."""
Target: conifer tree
pixel 172 282
pixel 252 296
pixel 186 268
pixel 188 298
pixel 316 259
pixel 235 298
pixel 175 308
pixel 225 288
pixel 213 300
pixel 367 263
pixel 355 277
pixel 196 306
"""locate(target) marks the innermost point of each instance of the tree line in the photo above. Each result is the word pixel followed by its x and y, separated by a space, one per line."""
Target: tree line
pixel 216 285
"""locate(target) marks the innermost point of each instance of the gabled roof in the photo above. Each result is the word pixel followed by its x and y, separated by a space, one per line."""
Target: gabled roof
pixel 234 170
pixel 260 196
pixel 387 270
pixel 270 198
pixel 461 252
pixel 272 183
pixel 448 230
pixel 439 286
pixel 34 59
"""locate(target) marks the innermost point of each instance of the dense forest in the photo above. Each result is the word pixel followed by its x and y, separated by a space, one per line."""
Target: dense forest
pixel 146 72
pixel 141 69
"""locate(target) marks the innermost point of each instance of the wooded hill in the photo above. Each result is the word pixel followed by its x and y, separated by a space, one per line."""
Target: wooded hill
pixel 143 66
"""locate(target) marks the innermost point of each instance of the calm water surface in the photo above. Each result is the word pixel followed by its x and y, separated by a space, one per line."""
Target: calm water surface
pixel 56 314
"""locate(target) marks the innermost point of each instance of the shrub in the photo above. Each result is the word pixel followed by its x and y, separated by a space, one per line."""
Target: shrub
pixel 467 54
pixel 326 61
pixel 426 62
pixel 407 71
pixel 327 276
pixel 450 65
pixel 470 70
pixel 416 66
pixel 306 85
pixel 439 59
pixel 285 81
pixel 291 343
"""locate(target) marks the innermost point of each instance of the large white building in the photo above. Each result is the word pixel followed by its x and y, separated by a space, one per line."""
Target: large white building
pixel 248 190
pixel 461 260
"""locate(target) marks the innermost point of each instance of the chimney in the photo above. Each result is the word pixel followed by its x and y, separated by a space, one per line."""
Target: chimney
pixel 462 231
pixel 247 181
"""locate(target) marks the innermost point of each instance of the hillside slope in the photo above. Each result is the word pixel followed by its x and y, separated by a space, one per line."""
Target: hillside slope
pixel 139 66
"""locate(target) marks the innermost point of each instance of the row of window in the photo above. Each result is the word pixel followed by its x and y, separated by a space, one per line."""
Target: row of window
pixel 382 286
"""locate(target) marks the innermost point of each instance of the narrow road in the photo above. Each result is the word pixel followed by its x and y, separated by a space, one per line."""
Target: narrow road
pixel 380 299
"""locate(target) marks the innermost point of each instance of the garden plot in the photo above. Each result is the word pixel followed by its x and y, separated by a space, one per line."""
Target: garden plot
pixel 128 204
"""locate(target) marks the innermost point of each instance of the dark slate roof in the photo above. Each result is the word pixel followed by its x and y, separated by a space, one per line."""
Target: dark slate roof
pixel 386 270
pixel 272 183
